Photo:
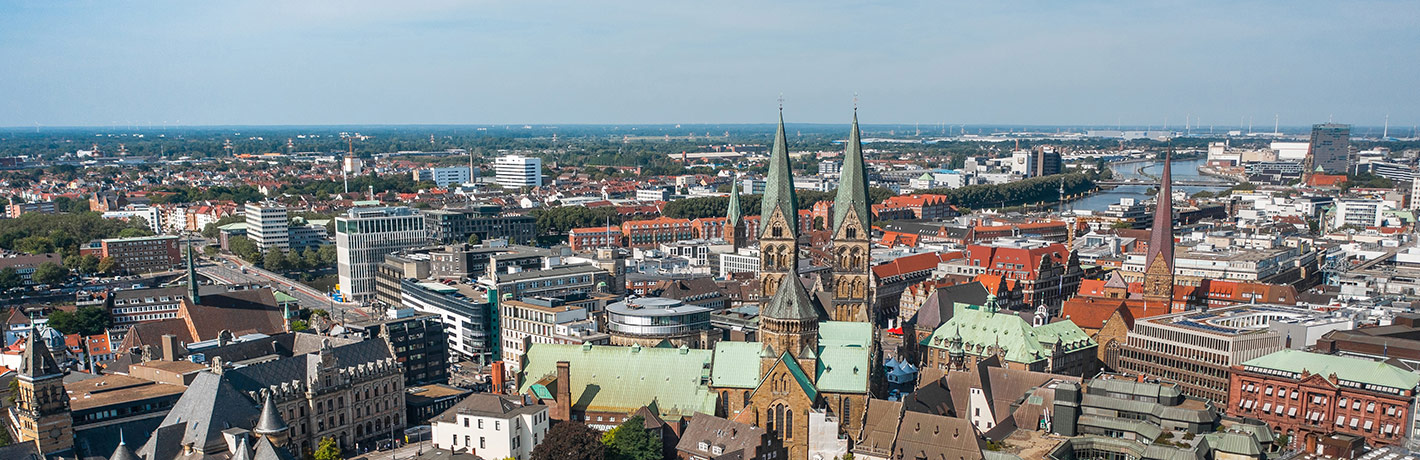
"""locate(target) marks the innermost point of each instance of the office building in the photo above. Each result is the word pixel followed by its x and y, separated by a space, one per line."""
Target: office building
pixel 143 254
pixel 364 236
pixel 444 177
pixel 417 340
pixel 556 281
pixel 651 233
pixel 535 320
pixel 1197 349
pixel 650 320
pixel 1311 396
pixel 1331 148
pixel 14 210
pixel 150 215
pixel 586 238
pixel 491 426
pixel 303 234
pixel 470 322
pixel 517 171
pixel 457 225
pixel 267 224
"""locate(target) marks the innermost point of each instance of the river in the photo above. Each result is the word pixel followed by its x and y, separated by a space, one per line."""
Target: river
pixel 1182 170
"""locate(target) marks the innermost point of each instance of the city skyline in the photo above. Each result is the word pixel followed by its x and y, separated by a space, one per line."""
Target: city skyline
pixel 1097 64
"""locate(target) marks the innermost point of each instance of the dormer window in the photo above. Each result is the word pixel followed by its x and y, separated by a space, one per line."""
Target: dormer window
pixel 703 445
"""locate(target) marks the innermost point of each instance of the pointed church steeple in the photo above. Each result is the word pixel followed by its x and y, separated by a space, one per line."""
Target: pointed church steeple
pixel 851 283
pixel 779 184
pixel 779 221
pixel 192 277
pixel 1159 260
pixel 852 181
pixel 734 219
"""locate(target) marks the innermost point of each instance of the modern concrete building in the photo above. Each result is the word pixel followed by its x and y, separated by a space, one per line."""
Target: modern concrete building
pixel 535 320
pixel 143 254
pixel 1330 148
pixel 444 177
pixel 650 320
pixel 363 236
pixel 418 341
pixel 1197 349
pixel 516 171
pixel 470 322
pixel 457 225
pixel 267 225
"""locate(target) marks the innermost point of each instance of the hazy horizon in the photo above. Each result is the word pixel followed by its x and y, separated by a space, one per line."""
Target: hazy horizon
pixel 1101 64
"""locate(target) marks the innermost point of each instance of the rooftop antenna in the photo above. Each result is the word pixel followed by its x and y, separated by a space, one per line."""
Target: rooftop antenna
pixel 1385 132
pixel 1276 124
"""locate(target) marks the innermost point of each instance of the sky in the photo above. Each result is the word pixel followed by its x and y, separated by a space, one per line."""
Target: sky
pixel 1079 62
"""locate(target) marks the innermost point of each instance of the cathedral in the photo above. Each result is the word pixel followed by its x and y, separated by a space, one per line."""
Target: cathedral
pixel 817 349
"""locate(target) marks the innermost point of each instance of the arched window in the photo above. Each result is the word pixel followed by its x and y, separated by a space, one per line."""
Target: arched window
pixel 779 417
pixel 847 404
pixel 725 402
pixel 789 424
pixel 769 419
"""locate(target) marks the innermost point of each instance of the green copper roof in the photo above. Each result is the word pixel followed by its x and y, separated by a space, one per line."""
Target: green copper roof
pixel 541 392
pixel 852 183
pixel 622 379
pixel 844 355
pixel 736 364
pixel 733 216
pixel 981 329
pixel 233 226
pixel 789 302
pixel 1363 371
pixel 799 376
pixel 779 185
pixel 281 297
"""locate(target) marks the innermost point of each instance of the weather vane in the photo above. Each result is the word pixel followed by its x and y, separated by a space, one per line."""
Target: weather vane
pixel 855 101
pixel 781 102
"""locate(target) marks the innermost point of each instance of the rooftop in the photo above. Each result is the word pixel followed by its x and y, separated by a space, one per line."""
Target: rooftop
pixel 1346 369
pixel 655 306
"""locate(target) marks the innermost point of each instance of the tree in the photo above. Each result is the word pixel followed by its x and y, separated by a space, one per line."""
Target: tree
pixel 328 255
pixel 133 232
pixel 35 245
pixel 84 321
pixel 209 251
pixel 474 239
pixel 631 441
pixel 243 247
pixel 88 263
pixel 311 258
pixel 107 265
pixel 300 325
pixel 570 441
pixel 50 273
pixel 274 260
pixel 327 450
pixel 9 278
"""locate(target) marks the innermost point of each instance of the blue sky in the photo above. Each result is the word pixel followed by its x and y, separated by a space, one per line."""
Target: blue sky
pixel 724 61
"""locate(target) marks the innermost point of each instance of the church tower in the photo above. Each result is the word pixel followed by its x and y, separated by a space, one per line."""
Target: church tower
pixel 788 321
pixel 1158 263
pixel 852 285
pixel 734 220
pixel 192 277
pixel 42 406
pixel 778 222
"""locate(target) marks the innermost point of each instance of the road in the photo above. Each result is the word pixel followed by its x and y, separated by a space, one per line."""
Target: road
pixel 307 297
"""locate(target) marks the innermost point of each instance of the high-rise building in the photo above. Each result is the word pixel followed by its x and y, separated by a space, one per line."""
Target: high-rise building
pixel 267 225
pixel 518 171
pixel 444 177
pixel 457 225
pixel 1331 148
pixel 364 236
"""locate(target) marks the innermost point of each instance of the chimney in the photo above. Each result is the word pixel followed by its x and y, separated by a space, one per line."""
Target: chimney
pixel 170 344
pixel 564 391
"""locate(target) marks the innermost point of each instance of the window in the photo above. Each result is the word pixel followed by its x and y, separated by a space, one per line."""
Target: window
pixel 480 424
pixel 467 440
pixel 465 423
pixel 497 425
pixel 482 442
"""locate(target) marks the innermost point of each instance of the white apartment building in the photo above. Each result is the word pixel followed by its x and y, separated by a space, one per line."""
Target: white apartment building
pixel 364 236
pixel 491 426
pixel 518 171
pixel 444 177
pixel 1361 213
pixel 267 225
pixel 152 215
pixel 543 320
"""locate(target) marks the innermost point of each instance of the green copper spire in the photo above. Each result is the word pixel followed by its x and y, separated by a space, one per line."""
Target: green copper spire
pixel 779 185
pixel 192 276
pixel 733 217
pixel 852 182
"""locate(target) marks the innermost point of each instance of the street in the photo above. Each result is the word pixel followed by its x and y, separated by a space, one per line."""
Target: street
pixel 219 271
